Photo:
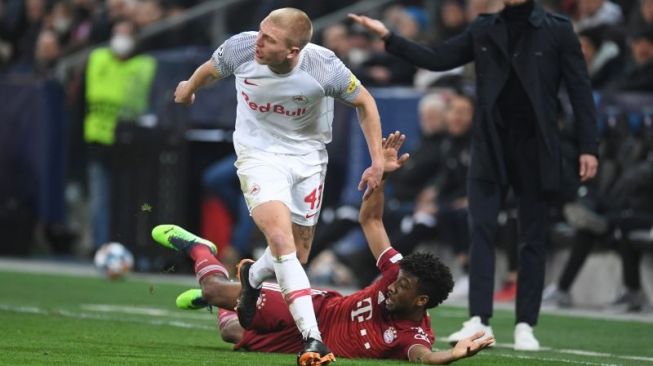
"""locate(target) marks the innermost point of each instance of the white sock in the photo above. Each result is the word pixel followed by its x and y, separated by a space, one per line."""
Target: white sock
pixel 297 292
pixel 262 269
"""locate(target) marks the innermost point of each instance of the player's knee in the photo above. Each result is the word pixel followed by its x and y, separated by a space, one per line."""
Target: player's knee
pixel 280 243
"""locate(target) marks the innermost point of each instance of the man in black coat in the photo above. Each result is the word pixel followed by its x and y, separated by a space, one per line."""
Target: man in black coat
pixel 521 55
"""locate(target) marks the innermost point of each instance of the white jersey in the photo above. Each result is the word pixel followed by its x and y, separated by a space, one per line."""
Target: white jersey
pixel 284 113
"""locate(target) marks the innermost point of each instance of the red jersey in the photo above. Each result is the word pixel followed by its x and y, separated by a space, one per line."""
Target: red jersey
pixel 355 326
pixel 359 325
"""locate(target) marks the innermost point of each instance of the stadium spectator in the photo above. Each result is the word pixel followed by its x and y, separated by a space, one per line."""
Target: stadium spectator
pixel 406 185
pixel 117 85
pixel 27 30
pixel 427 157
pixel 182 35
pixel 639 76
pixel 280 77
pixel 397 303
pixel 641 17
pixel 360 47
pixel 61 20
pixel 603 56
pixel 452 20
pixel 516 142
pixel 47 53
pixel 382 69
pixel 336 38
pixel 625 208
pixel 594 13
pixel 82 24
pixel 441 206
pixel 114 11
pixel 220 180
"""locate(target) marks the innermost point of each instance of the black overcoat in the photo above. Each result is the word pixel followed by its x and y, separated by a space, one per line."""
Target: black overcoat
pixel 547 53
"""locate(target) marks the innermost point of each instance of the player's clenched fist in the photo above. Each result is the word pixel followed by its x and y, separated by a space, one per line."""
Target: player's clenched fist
pixel 184 94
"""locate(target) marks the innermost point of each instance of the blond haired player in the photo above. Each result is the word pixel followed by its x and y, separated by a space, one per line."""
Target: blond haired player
pixel 286 88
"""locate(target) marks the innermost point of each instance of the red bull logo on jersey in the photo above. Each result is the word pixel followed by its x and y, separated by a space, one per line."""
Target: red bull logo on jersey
pixel 273 108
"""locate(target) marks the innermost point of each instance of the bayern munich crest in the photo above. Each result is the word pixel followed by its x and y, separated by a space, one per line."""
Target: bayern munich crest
pixel 390 335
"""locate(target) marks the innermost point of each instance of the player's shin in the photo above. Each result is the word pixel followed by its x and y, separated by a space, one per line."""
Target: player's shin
pixel 297 293
pixel 262 269
pixel 206 264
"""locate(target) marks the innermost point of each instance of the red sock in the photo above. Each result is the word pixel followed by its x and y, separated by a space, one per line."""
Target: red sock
pixel 205 263
pixel 225 317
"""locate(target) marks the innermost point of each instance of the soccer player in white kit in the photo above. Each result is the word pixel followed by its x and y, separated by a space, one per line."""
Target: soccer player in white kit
pixel 286 87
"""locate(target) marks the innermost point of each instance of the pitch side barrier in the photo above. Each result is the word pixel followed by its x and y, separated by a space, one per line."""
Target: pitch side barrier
pixel 33 147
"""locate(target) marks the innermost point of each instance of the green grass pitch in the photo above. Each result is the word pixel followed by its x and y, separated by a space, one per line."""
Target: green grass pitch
pixel 66 320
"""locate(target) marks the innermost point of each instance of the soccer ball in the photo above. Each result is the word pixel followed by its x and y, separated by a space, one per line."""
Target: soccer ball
pixel 113 260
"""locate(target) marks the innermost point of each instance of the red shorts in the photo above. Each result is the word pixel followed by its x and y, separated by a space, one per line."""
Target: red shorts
pixel 273 327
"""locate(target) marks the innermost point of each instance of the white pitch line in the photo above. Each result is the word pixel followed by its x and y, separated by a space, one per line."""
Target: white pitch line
pixel 181 324
pixel 580 352
pixel 93 316
pixel 601 354
pixel 585 313
pixel 548 359
pixel 138 310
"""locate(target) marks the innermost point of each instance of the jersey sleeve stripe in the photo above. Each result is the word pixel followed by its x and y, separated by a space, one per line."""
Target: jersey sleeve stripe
pixel 378 260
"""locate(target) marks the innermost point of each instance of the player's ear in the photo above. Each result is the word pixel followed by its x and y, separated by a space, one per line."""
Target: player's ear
pixel 422 300
pixel 294 52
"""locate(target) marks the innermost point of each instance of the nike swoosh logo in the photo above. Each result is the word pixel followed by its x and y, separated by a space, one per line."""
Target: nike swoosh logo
pixel 308 216
pixel 250 83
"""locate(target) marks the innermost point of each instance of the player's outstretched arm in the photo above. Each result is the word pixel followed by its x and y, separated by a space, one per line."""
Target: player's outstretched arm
pixel 371 213
pixel 370 121
pixel 466 348
pixel 455 52
pixel 203 76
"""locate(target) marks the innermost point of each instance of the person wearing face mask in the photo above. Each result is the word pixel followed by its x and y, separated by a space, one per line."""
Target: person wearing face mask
pixel 62 20
pixel 117 86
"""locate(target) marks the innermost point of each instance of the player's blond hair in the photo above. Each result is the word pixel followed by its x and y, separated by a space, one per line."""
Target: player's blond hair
pixel 297 24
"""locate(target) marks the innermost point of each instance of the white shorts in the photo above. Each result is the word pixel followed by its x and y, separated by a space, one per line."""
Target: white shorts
pixel 295 180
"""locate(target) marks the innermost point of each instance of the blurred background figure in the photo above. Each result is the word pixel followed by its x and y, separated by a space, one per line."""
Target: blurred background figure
pixel 220 182
pixel 117 87
pixel 452 20
pixel 638 76
pixel 593 13
pixel 604 56
pixel 641 16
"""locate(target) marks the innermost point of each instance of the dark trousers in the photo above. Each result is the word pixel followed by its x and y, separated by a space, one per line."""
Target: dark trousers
pixel 630 256
pixel 582 248
pixel 485 200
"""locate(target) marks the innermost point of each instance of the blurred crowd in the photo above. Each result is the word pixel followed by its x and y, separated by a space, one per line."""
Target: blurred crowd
pixel 428 199
pixel 616 37
pixel 35 34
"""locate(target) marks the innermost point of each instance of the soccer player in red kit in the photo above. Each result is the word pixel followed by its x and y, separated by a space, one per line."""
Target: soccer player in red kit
pixel 387 319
